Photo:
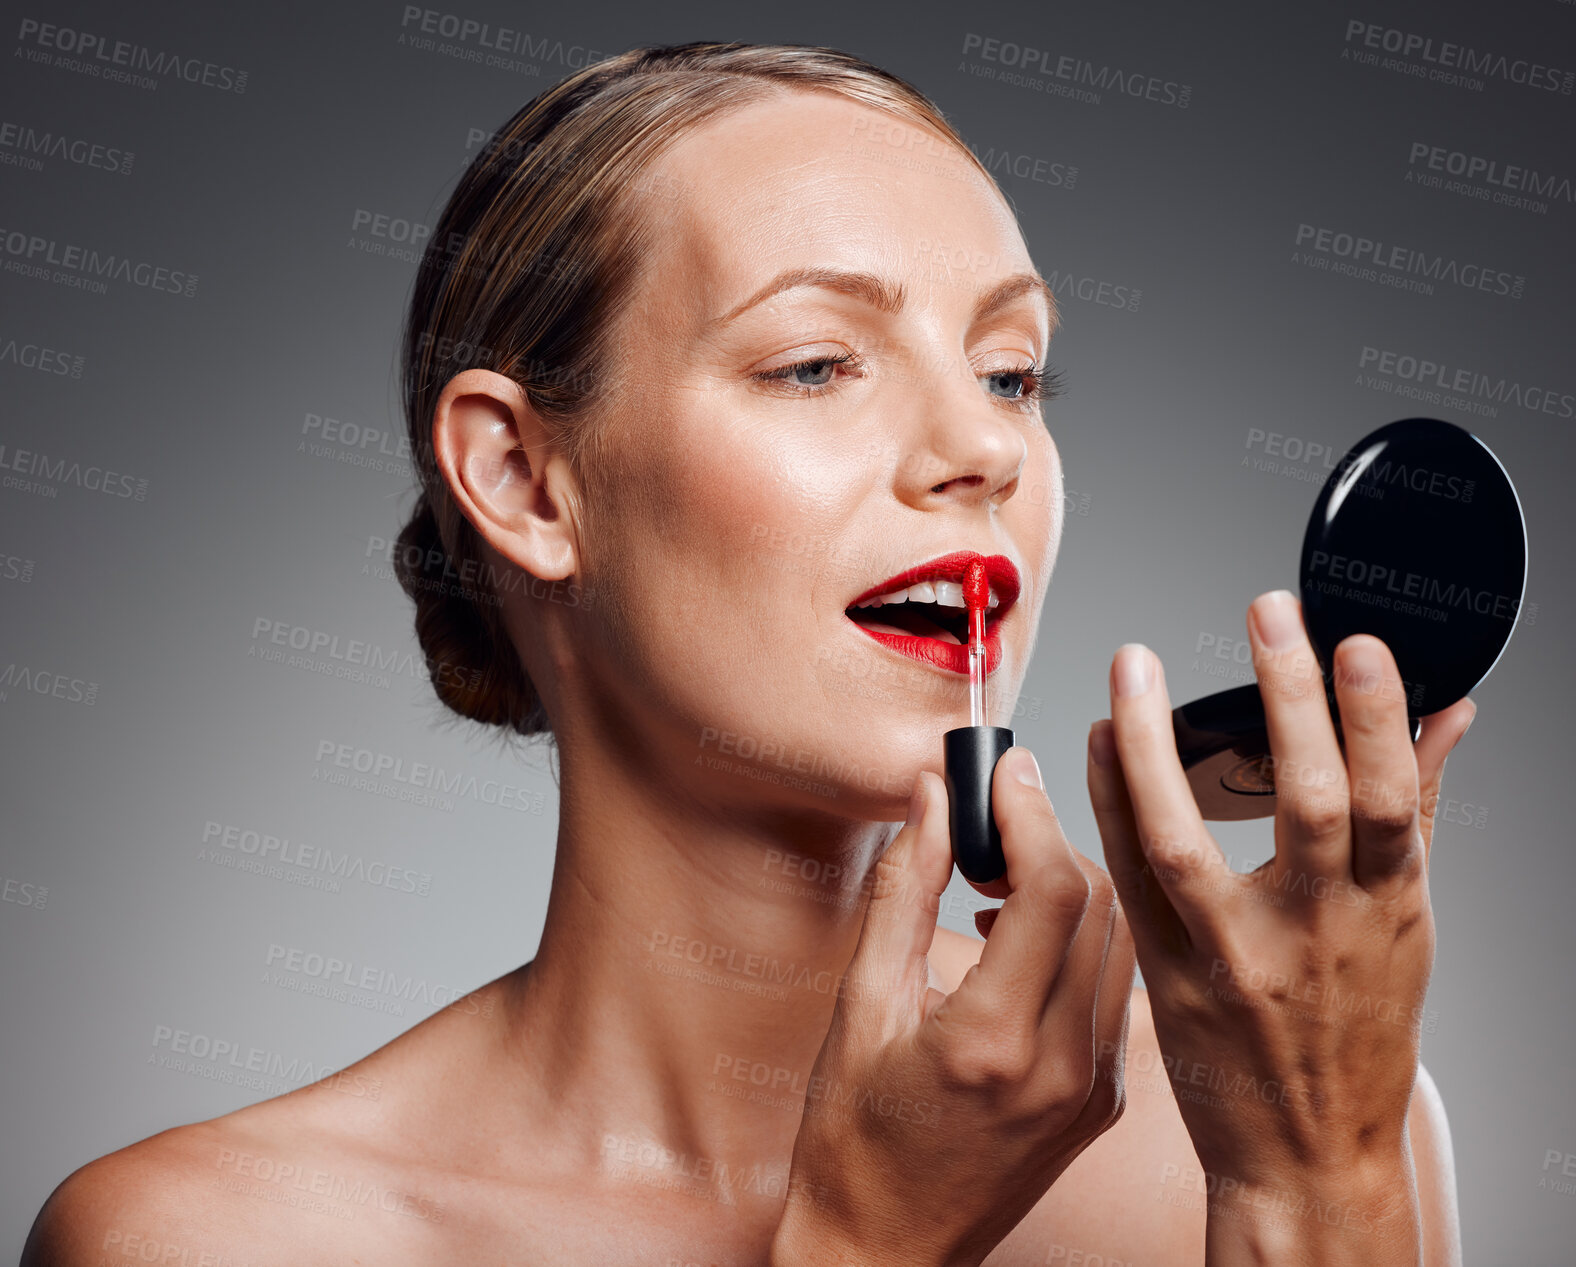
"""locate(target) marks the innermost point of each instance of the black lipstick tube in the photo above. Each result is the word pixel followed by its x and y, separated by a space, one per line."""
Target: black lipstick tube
pixel 971 754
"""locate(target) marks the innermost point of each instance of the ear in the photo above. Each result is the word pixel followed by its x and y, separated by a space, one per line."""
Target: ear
pixel 505 475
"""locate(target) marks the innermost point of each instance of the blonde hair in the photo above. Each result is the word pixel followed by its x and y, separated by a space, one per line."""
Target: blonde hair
pixel 535 254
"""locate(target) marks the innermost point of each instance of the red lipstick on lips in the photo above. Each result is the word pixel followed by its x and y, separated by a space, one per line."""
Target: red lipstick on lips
pixel 1001 577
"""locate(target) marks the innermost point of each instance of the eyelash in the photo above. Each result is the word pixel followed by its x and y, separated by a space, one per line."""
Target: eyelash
pixel 1048 383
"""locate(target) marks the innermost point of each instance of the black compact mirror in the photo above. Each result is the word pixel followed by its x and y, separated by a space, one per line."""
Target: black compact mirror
pixel 1417 538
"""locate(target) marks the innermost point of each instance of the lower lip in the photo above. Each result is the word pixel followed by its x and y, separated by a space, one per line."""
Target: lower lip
pixel 951 656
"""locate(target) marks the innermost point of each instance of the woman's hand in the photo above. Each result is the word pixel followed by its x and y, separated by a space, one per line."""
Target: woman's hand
pixel 1290 997
pixel 1004 1081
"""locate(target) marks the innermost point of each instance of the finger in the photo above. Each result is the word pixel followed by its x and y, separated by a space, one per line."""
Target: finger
pixel 1154 921
pixel 1035 927
pixel 1441 732
pixel 890 963
pixel 1381 768
pixel 1069 1022
pixel 1312 813
pixel 1001 886
pixel 1181 854
pixel 1113 1006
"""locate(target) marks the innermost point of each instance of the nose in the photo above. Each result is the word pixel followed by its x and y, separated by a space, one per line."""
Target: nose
pixel 960 449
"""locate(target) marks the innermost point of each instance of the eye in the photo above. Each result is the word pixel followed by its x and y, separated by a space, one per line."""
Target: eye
pixel 804 377
pixel 1024 385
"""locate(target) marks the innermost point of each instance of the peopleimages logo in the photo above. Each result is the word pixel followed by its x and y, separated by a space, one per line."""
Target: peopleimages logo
pixel 314 965
pixel 118 59
pixel 1093 290
pixel 484 43
pixel 1434 378
pixel 1444 62
pixel 34 356
pixel 1488 179
pixel 237 1058
pixel 417 781
pixel 85 268
pixel 39 472
pixel 1402 267
pixel 1387 586
pixel 1065 75
pixel 25 146
pixel 248 849
pixel 44 682
pixel 1030 167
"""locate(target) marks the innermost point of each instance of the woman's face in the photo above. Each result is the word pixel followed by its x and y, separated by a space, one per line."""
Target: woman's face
pixel 749 503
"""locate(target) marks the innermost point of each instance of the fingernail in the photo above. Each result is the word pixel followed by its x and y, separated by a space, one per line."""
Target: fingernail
pixel 1278 621
pixel 916 803
pixel 1023 767
pixel 1134 671
pixel 1102 743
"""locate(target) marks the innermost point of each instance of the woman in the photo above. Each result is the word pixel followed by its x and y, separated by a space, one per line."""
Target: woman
pixel 715 343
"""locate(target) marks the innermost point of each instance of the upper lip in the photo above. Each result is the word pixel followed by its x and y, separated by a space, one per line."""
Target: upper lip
pixel 999 572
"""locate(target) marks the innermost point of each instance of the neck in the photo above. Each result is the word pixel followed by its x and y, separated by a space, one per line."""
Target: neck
pixel 688 967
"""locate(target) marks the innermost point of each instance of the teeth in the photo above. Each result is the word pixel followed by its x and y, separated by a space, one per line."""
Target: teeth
pixel 942 593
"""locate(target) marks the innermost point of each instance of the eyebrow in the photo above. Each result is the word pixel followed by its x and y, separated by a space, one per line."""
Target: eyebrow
pixel 888 297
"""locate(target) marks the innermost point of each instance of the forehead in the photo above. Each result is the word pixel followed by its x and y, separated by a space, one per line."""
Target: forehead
pixel 811 177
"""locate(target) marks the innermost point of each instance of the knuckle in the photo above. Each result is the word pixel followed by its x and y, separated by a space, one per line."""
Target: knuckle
pixel 997 1062
pixel 1378 693
pixel 1190 1002
pixel 1289 675
pixel 1375 795
pixel 1321 813
pixel 1057 891
pixel 1409 861
pixel 1070 1083
pixel 1102 892
pixel 893 881
pixel 1368 715
pixel 1414 913
pixel 1145 731
pixel 1169 847
pixel 1386 815
pixel 1173 855
pixel 1312 798
pixel 1109 1101
pixel 1319 817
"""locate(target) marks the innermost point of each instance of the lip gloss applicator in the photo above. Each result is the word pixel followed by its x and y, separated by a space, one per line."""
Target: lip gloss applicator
pixel 971 752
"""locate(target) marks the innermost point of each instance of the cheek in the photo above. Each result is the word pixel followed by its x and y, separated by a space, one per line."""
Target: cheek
pixel 1042 498
pixel 708 548
pixel 764 506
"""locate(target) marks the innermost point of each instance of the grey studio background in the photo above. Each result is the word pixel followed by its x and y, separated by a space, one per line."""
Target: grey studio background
pixel 204 451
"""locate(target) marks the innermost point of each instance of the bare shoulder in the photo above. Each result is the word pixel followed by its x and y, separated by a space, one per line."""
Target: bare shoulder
pixel 324 1174
pixel 165 1198
pixel 1138 1193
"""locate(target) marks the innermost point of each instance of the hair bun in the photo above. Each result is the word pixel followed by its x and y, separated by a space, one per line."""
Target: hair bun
pixel 473 666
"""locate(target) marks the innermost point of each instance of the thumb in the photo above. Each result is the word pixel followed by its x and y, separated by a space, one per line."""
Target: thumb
pixel 1440 734
pixel 889 974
